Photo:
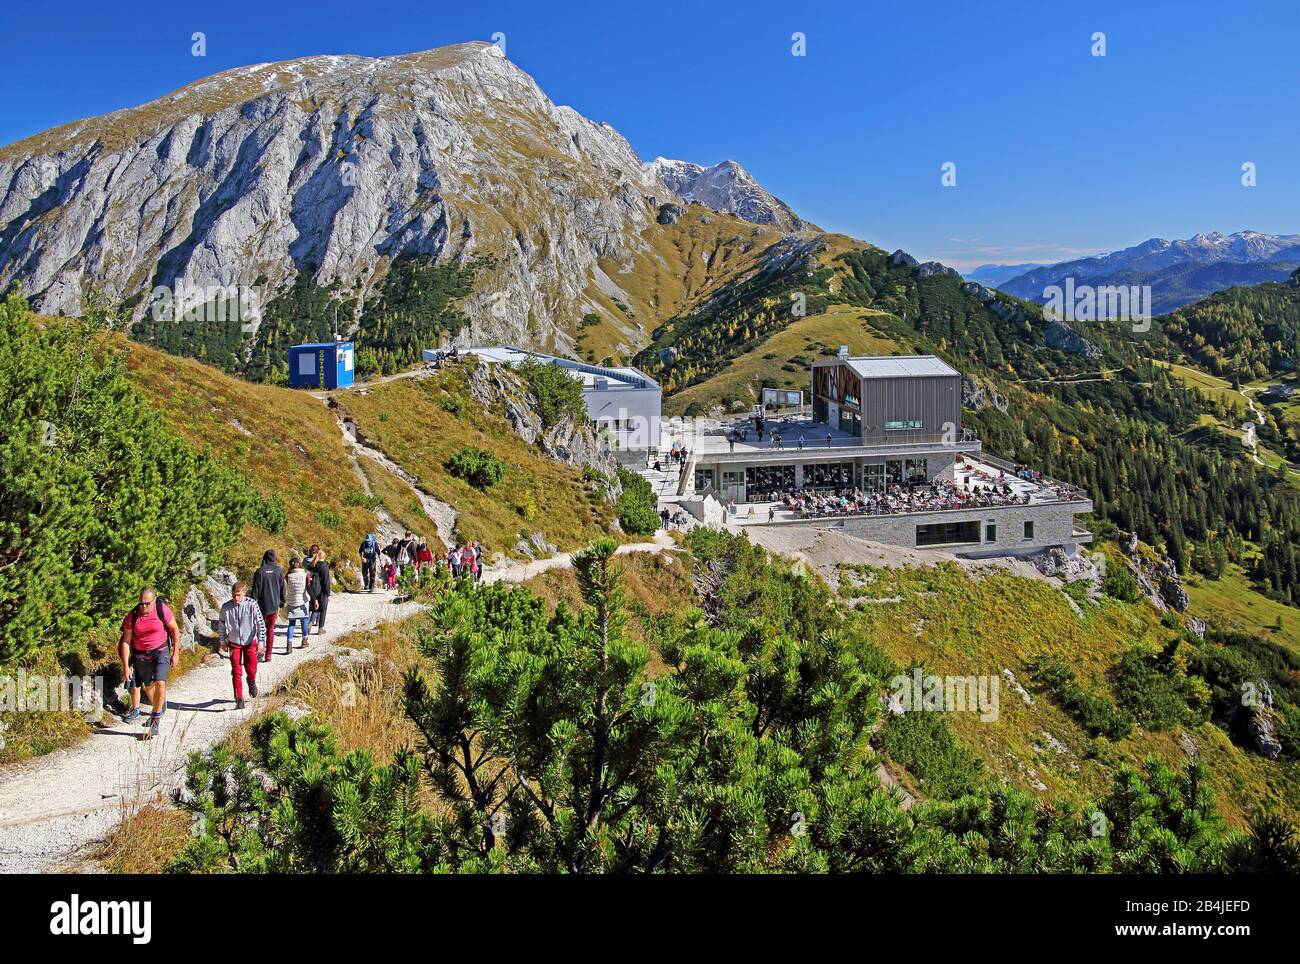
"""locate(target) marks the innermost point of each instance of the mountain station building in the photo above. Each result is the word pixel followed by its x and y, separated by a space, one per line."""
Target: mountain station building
pixel 883 457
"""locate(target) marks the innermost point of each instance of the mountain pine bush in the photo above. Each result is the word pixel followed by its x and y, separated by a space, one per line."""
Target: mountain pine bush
pixel 551 746
pixel 479 468
pixel 98 496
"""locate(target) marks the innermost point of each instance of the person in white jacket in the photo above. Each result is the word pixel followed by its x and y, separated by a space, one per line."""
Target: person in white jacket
pixel 297 600
pixel 242 633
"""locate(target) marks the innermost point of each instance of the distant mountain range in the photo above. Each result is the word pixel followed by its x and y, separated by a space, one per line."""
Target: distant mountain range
pixel 1179 272
pixel 993 275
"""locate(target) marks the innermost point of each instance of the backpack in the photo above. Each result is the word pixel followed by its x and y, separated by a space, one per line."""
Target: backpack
pixel 369 550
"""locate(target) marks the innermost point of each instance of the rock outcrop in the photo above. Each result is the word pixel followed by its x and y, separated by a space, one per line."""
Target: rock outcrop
pixel 1061 336
pixel 498 387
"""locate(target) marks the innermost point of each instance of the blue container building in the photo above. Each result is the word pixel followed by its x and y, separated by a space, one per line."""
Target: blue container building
pixel 323 364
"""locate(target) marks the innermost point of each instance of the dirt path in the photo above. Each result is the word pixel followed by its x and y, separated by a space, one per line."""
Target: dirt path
pixel 514 571
pixel 53 809
pixel 442 515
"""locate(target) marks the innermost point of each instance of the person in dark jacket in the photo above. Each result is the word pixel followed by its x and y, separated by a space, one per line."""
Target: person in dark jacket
pixel 320 587
pixel 369 552
pixel 268 592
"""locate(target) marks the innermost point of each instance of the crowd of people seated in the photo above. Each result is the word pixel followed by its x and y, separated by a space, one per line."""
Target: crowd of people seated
pixel 932 496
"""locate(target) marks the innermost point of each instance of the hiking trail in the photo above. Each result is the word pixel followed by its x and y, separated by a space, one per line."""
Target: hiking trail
pixel 56 809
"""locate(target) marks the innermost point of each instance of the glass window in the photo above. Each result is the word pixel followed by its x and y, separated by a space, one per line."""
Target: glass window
pixel 915 470
pixel 912 424
pixel 833 475
pixel 894 473
pixel 703 479
pixel 990 532
pixel 1029 530
pixel 944 533
pixel 765 483
pixel 873 476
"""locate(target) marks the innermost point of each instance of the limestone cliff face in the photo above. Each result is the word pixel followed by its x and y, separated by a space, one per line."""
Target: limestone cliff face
pixel 333 166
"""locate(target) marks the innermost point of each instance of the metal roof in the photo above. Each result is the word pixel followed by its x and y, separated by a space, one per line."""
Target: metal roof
pixel 620 377
pixel 897 366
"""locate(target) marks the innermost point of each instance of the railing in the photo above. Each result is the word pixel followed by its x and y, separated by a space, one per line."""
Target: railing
pixel 792 445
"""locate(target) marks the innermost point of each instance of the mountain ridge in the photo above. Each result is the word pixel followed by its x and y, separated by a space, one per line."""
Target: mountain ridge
pixel 1170 267
pixel 336 165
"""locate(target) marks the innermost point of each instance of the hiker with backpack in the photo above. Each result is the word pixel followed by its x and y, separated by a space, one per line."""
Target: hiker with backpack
pixel 241 633
pixel 320 583
pixel 150 639
pixel 297 601
pixel 268 592
pixel 369 560
pixel 408 550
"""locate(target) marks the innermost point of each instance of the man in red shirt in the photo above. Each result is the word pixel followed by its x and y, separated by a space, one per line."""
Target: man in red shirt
pixel 150 640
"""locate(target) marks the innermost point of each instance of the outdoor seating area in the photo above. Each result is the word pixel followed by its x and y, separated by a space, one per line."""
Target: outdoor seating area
pixel 975 485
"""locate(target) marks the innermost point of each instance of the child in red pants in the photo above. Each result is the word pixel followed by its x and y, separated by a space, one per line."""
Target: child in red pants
pixel 244 631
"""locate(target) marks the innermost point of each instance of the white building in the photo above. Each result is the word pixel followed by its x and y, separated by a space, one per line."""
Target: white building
pixel 625 402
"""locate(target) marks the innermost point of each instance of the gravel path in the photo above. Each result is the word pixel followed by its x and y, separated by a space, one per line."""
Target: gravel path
pixel 54 810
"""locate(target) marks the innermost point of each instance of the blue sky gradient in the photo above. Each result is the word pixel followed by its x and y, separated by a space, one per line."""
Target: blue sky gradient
pixel 1058 153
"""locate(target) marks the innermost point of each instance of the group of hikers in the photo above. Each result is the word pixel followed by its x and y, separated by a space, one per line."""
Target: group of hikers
pixel 387 562
pixel 150 639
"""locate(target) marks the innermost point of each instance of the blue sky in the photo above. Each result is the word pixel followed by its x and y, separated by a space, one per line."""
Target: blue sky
pixel 1057 152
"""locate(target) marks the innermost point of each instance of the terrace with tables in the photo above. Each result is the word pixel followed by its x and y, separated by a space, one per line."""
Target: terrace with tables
pixel 976 484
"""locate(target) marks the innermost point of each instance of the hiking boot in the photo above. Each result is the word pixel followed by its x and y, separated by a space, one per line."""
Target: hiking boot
pixel 154 720
pixel 252 688
pixel 132 716
pixel 239 703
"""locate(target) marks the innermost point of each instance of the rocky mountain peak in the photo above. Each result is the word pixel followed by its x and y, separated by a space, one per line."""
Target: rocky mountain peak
pixel 726 186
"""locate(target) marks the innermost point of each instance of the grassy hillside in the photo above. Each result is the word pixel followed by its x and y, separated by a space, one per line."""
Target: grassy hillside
pixel 955 623
pixel 681 263
pixel 287 443
pixel 1218 389
pixel 422 423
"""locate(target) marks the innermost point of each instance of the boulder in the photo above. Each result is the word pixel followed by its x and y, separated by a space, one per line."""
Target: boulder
pixel 669 213
pixel 929 268
pixel 1061 336
pixel 1052 562
pixel 1263 733
pixel 1175 594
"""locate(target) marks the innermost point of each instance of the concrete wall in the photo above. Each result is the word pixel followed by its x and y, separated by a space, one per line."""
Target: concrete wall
pixel 1053 526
